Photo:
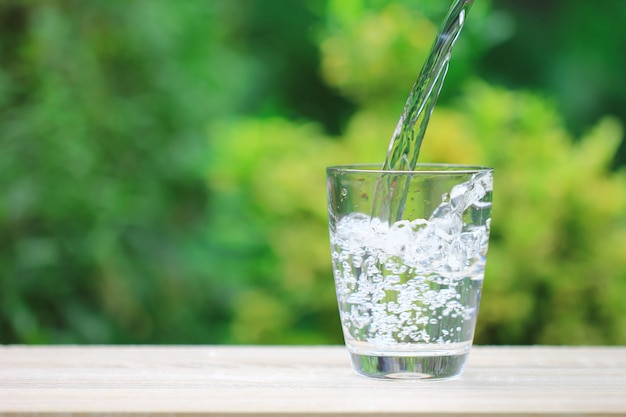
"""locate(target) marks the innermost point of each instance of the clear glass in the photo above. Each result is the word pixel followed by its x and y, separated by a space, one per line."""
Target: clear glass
pixel 408 290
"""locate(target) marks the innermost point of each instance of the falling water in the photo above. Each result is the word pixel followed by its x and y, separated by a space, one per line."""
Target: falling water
pixel 409 133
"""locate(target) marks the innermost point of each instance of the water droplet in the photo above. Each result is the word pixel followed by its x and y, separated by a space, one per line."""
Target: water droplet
pixel 344 192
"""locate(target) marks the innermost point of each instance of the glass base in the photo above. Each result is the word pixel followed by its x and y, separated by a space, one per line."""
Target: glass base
pixel 409 367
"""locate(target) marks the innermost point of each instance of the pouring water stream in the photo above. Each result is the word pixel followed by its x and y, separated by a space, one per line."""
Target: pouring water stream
pixel 409 133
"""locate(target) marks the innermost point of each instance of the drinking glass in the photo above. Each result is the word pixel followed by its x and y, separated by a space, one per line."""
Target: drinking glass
pixel 408 253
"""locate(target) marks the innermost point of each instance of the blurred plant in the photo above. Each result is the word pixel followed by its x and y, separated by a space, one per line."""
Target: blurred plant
pixel 559 259
pixel 567 49
pixel 103 107
pixel 122 223
pixel 556 269
pixel 268 222
pixel 556 261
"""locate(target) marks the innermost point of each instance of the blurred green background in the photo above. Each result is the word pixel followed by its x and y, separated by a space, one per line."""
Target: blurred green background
pixel 162 162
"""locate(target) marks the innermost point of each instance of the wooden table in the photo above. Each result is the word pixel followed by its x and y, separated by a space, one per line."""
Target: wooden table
pixel 302 381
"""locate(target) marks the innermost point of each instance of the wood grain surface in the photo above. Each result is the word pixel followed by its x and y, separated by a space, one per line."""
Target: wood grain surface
pixel 302 381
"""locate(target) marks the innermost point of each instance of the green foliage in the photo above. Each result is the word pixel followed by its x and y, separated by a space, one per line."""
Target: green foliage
pixel 102 170
pixel 269 224
pixel 556 268
pixel 556 260
pixel 372 50
pixel 162 183
pixel 567 48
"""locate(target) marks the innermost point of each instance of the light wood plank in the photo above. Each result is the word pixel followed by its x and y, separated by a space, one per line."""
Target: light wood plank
pixel 298 381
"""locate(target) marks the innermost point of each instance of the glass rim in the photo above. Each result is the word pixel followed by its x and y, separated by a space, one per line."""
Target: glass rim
pixel 425 168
